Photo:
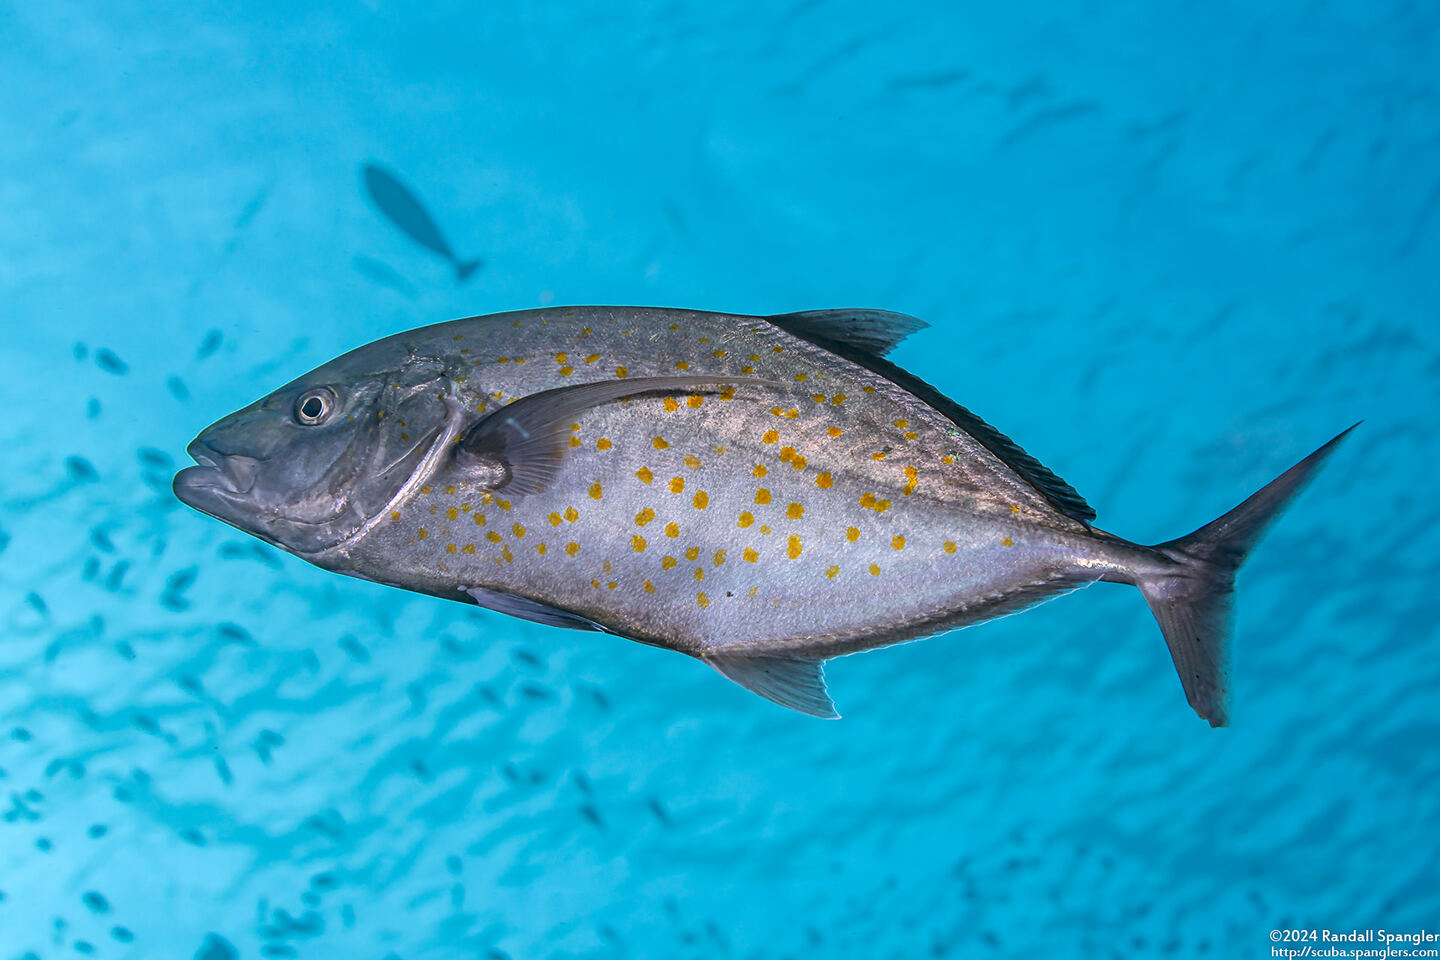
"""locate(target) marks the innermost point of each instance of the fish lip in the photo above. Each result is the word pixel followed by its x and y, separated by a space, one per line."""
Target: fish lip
pixel 227 476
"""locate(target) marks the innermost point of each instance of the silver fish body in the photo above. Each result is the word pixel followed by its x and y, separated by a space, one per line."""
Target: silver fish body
pixel 759 493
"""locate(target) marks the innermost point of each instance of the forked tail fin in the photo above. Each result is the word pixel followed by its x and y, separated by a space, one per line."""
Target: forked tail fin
pixel 464 268
pixel 1192 602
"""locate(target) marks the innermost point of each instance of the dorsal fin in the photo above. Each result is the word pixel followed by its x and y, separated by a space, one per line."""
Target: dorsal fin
pixel 794 682
pixel 876 332
pixel 1057 492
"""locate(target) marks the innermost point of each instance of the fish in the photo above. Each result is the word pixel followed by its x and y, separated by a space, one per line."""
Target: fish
pixel 400 205
pixel 760 493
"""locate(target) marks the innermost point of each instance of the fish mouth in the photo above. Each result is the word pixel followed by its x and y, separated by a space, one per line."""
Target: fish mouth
pixel 216 476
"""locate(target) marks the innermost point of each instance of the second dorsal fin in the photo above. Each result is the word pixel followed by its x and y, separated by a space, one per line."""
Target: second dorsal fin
pixel 875 331
pixel 863 336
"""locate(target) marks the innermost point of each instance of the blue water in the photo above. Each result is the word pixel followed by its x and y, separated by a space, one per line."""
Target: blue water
pixel 1168 247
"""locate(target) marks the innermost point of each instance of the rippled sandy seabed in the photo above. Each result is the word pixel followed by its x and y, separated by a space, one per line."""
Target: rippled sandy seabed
pixel 1169 247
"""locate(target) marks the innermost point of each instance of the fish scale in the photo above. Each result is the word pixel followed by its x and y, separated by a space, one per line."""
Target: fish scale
pixel 760 493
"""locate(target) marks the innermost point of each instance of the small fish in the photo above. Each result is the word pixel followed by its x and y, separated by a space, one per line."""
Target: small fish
pixel 106 360
pixel 208 345
pixel 81 470
pixel 404 209
pixel 216 947
pixel 760 493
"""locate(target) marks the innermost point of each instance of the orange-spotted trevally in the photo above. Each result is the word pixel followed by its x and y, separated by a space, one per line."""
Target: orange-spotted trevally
pixel 761 493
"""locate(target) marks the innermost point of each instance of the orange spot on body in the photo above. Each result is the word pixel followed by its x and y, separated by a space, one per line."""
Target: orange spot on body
pixel 554 519
pixel 792 548
pixel 694 401
pixel 644 517
pixel 637 543
pixel 677 484
pixel 571 514
pixel 832 572
pixel 493 536
pixel 897 542
pixel 692 461
pixel 824 481
pixel 760 470
pixel 595 491
pixel 518 530
pixel 701 500
pixel 703 600
pixel 770 436
pixel 835 431
pixel 874 570
pixel 795 511
pixel 649 587
pixel 762 496
pixel 602 444
pixel 746 518
pixel 644 475
pixel 572 548
pixel 1007 542
pixel 750 555
pixel 621 372
pixel 660 443
pixel 672 530
pixel 667 563
pixel 671 404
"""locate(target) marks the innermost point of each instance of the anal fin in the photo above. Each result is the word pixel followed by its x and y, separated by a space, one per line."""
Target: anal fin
pixel 794 682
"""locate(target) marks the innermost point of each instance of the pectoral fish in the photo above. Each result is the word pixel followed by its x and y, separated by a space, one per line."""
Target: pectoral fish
pixel 404 209
pixel 760 493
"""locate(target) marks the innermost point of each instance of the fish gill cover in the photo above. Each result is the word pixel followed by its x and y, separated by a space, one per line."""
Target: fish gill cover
pixel 1170 251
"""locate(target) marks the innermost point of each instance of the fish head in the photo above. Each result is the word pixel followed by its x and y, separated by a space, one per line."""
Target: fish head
pixel 310 466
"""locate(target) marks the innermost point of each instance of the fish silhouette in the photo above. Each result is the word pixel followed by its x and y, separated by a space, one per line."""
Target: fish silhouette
pixel 760 493
pixel 399 203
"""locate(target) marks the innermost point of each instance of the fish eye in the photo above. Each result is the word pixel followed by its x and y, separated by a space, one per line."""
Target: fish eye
pixel 315 406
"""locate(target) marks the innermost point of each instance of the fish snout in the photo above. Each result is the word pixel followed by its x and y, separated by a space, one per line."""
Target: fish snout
pixel 232 473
